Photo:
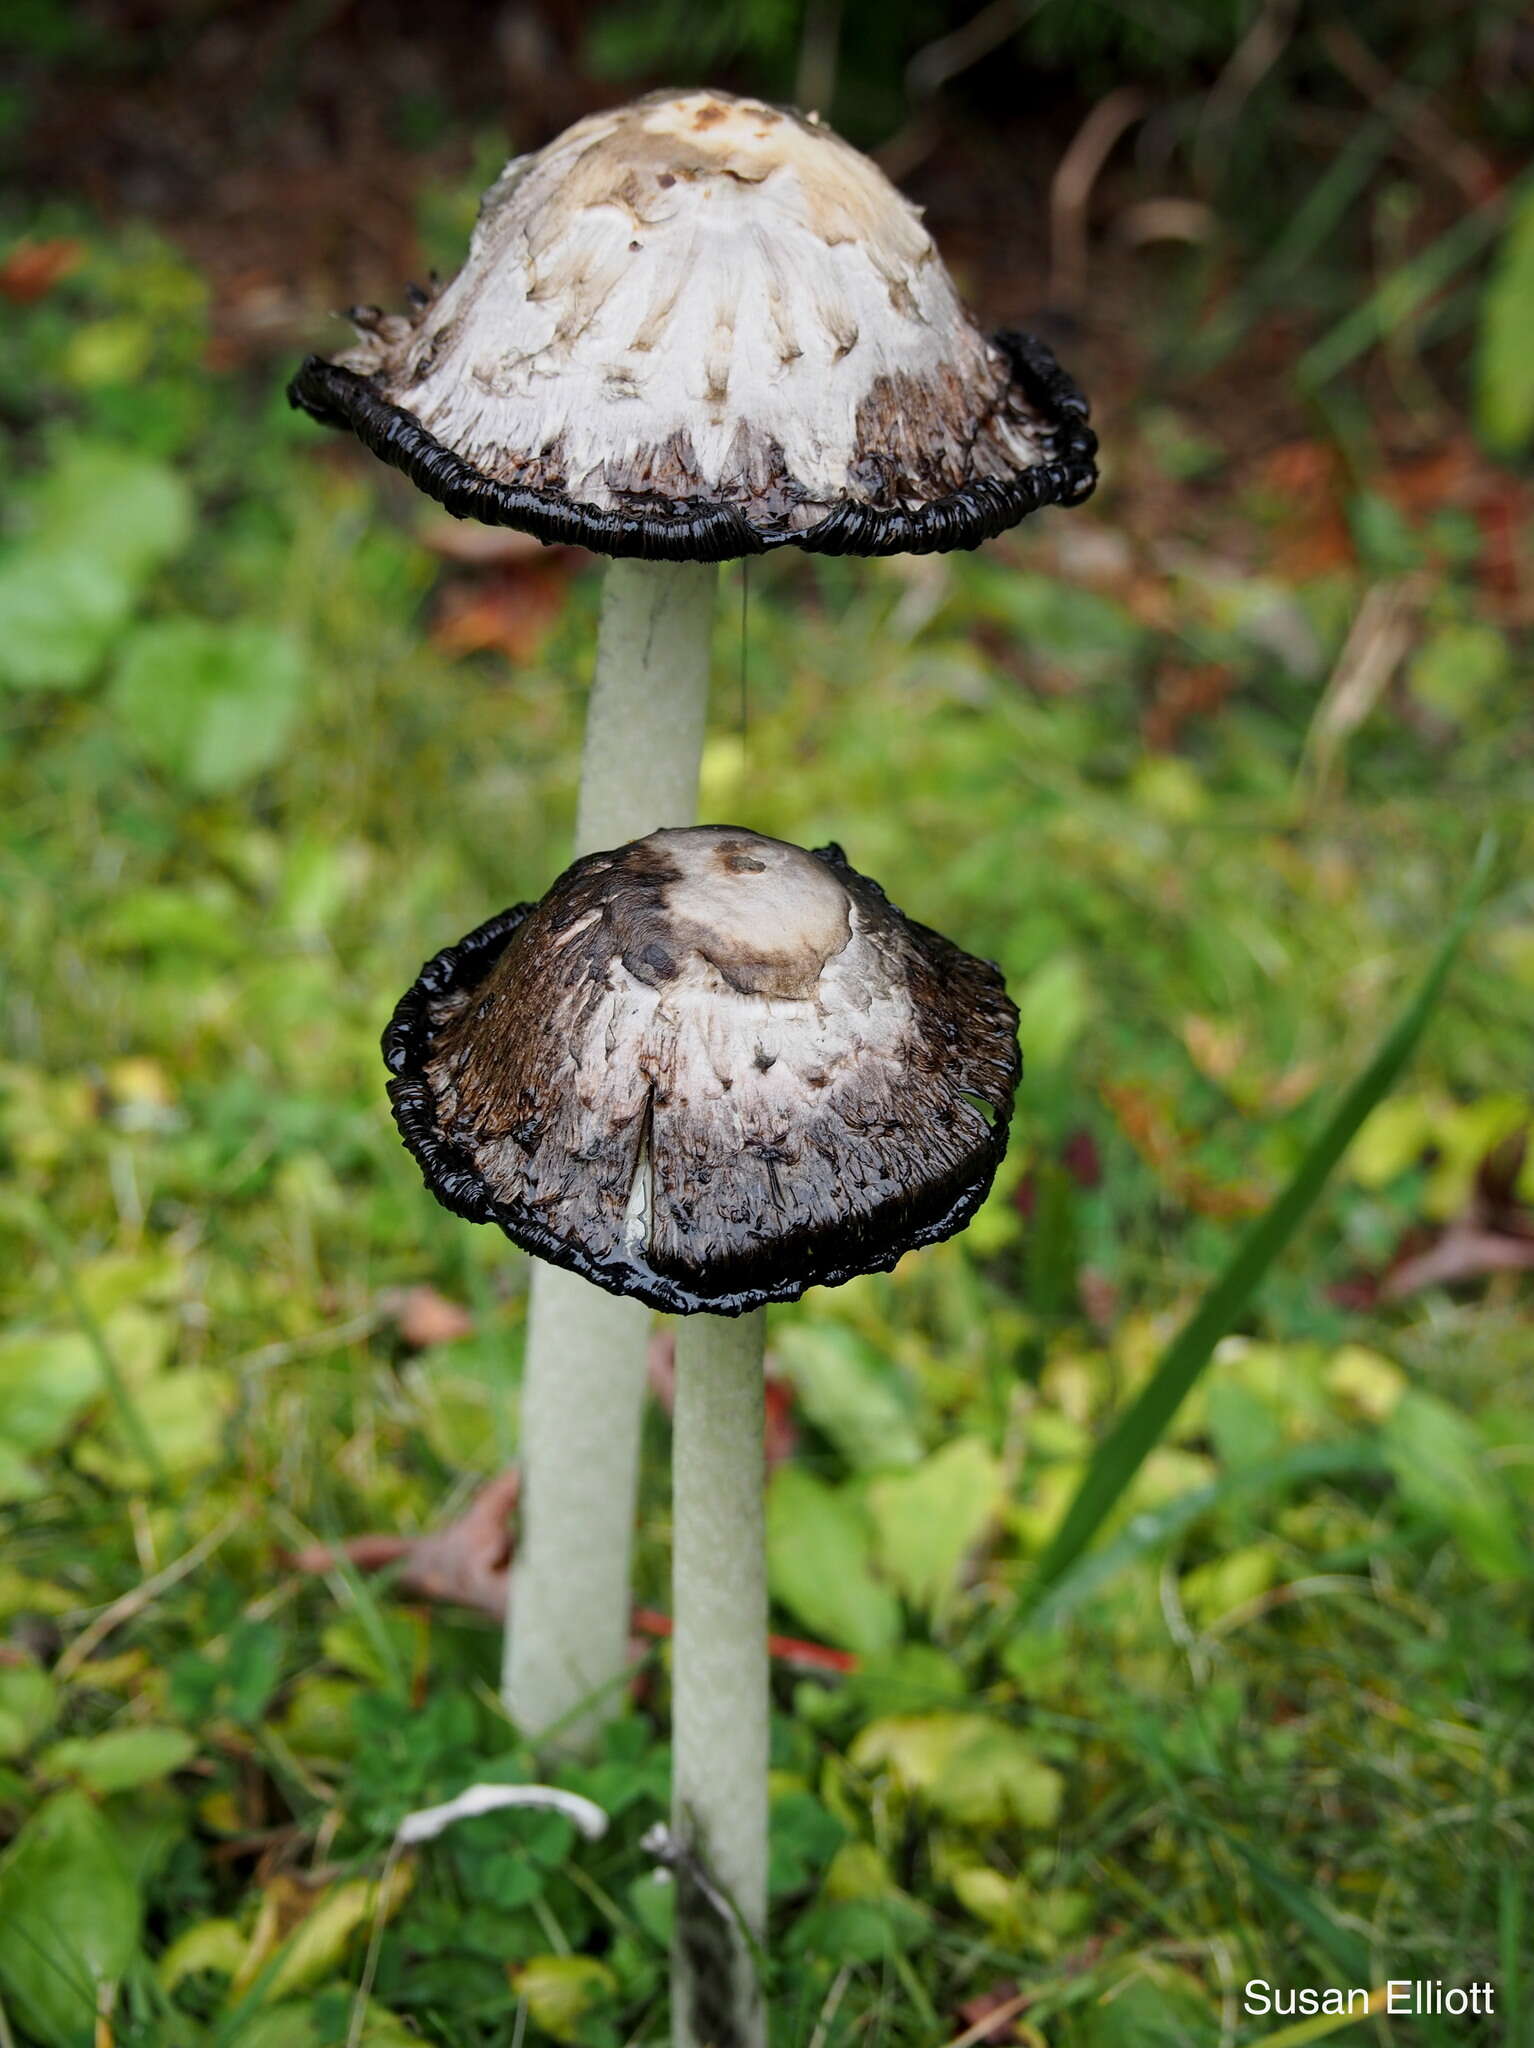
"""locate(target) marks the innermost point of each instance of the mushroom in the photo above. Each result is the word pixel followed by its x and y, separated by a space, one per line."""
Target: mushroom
pixel 689 329
pixel 707 1071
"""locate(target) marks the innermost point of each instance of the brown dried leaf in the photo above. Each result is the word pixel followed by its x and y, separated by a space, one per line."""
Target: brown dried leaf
pixel 424 1317
pixel 32 269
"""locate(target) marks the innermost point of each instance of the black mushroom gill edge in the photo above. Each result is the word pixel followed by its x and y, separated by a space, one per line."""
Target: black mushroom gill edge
pixel 453 1178
pixel 695 530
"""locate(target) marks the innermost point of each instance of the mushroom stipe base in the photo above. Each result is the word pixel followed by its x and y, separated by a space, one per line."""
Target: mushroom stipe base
pixel 837 1254
pixel 697 530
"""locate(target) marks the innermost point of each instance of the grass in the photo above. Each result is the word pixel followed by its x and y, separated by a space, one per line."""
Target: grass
pixel 1273 1720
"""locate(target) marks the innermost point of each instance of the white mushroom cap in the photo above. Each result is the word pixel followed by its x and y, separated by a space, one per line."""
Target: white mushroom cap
pixel 708 1069
pixel 708 321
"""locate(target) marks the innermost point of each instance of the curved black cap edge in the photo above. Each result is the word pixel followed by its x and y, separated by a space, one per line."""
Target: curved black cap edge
pixel 695 531
pixel 450 1174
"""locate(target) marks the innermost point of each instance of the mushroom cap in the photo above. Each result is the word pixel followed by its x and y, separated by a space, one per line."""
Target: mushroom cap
pixel 698 327
pixel 708 1069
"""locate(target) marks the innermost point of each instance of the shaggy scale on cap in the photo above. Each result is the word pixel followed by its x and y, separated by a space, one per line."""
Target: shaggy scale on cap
pixel 700 327
pixel 708 1069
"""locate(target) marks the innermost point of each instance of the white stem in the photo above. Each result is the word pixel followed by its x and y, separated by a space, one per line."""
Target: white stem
pixel 719 1681
pixel 583 1384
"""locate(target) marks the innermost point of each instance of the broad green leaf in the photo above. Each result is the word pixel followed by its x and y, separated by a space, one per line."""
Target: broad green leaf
pixel 69 1920
pixel 183 1415
pixel 1160 2007
pixel 283 2026
pixel 1365 1381
pixel 818 1563
pixel 317 1720
pixel 1394 1137
pixel 851 1394
pixel 28 1705
pixel 46 1381
pixel 1149 1416
pixel 1053 1006
pixel 58 617
pixel 212 705
pixel 1229 1581
pixel 112 505
pixel 975 1771
pixel 121 1758
pixel 215 1945
pixel 1440 1465
pixel 18 1480
pixel 859 1930
pixel 1504 362
pixel 561 1992
pixel 927 1521
pixel 1456 666
pixel 315 1949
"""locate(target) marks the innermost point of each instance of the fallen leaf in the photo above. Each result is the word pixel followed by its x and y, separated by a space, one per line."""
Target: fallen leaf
pixel 424 1317
pixel 510 609
pixel 988 2017
pixel 468 1564
pixel 32 269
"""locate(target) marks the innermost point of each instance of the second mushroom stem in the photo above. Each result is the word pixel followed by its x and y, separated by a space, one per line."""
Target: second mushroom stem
pixel 719 1682
pixel 584 1378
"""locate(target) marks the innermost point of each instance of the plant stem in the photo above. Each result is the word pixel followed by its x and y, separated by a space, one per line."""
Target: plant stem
pixel 719 1682
pixel 583 1385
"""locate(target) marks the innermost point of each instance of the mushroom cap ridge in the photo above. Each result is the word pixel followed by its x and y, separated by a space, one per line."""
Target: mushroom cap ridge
pixel 700 327
pixel 706 1110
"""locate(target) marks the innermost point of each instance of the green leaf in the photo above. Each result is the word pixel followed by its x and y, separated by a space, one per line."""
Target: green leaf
pixel 851 1394
pixel 214 706
pixel 927 1521
pixel 975 1771
pixel 183 1416
pixel 858 1930
pixel 69 1920
pixel 121 1758
pixel 1504 362
pixel 102 521
pixel 1124 1450
pixel 112 506
pixel 216 1945
pixel 1053 1006
pixel 1460 664
pixel 46 1382
pixel 1439 1463
pixel 560 1992
pixel 1160 2007
pixel 58 617
pixel 18 1481
pixel 28 1704
pixel 817 1563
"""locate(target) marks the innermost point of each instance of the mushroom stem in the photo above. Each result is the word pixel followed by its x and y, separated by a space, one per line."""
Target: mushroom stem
pixel 719 1683
pixel 584 1379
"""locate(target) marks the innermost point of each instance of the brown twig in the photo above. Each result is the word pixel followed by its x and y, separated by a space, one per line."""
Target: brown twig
pixel 1070 191
pixel 1414 117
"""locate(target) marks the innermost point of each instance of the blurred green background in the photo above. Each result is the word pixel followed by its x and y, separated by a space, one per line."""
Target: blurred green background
pixel 1203 766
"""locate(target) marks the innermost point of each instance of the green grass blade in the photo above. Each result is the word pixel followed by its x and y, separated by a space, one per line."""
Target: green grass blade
pixel 1348 1955
pixel 1511 1947
pixel 1119 1457
pixel 1159 1527
pixel 134 1428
